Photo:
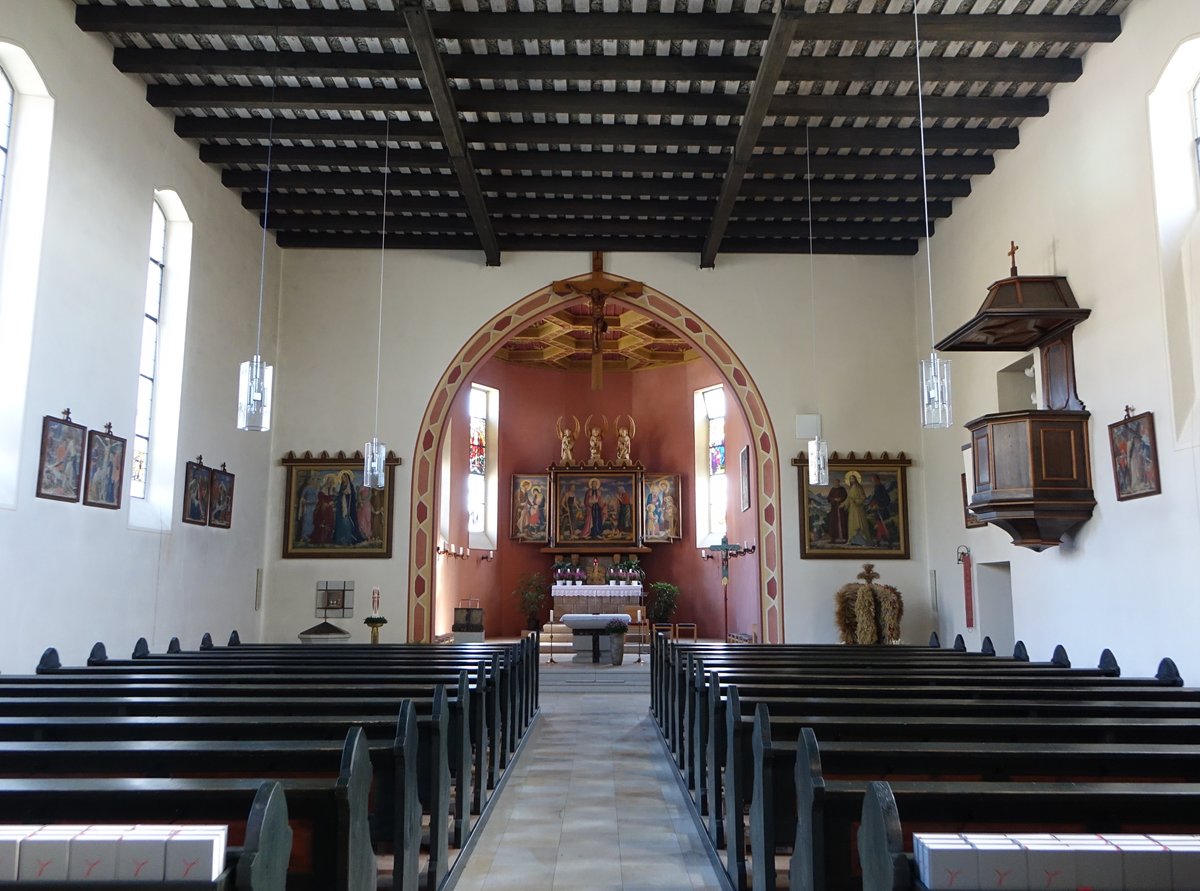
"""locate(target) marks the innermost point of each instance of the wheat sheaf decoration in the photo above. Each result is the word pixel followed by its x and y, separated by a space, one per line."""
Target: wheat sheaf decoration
pixel 868 613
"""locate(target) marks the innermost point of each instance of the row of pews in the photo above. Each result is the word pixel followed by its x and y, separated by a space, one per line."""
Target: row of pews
pixel 324 760
pixel 802 761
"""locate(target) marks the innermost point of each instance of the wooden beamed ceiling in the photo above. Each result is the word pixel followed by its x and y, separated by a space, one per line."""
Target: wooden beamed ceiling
pixel 678 125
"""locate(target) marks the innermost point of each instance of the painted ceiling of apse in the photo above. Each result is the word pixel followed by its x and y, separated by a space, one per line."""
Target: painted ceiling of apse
pixel 633 342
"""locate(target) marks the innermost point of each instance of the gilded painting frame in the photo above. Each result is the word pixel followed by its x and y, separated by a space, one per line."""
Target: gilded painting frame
pixel 596 508
pixel 324 512
pixel 529 508
pixel 1134 450
pixel 662 511
pixel 197 489
pixel 60 465
pixel 220 499
pixel 104 477
pixel 870 497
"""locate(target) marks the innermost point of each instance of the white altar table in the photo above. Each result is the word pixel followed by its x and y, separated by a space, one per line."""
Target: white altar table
pixel 594 598
pixel 589 642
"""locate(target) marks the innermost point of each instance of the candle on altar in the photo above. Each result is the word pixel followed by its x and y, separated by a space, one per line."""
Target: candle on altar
pixel 374 601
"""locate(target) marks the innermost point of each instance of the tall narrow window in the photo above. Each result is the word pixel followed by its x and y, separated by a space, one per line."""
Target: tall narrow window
pixel 714 412
pixel 6 115
pixel 1196 120
pixel 156 268
pixel 477 500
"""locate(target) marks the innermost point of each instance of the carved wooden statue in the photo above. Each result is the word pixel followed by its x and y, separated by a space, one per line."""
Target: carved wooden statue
pixel 595 434
pixel 567 437
pixel 625 434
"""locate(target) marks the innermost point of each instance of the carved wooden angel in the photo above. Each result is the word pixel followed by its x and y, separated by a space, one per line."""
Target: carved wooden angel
pixel 625 434
pixel 567 437
pixel 595 440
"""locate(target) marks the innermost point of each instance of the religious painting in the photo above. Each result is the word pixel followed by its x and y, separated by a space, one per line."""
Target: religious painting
pixel 197 486
pixel 328 512
pixel 597 507
pixel 220 501
pixel 1135 456
pixel 861 513
pixel 662 514
pixel 60 468
pixel 744 467
pixel 969 519
pixel 105 471
pixel 530 507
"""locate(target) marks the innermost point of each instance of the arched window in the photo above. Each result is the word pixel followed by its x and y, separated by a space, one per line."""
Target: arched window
pixel 711 487
pixel 6 113
pixel 26 127
pixel 160 364
pixel 482 473
pixel 156 269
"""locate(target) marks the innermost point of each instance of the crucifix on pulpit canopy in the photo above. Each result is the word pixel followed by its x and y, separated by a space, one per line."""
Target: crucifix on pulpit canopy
pixel 726 552
pixel 598 288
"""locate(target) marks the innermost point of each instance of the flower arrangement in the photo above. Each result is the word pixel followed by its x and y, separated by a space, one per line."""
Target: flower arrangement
pixel 868 613
pixel 616 626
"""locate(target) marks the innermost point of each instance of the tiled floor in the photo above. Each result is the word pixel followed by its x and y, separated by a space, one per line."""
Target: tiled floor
pixel 592 803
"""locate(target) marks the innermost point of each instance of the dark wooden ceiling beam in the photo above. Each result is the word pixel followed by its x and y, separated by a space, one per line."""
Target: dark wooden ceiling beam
pixel 617 187
pixel 598 26
pixel 416 224
pixel 703 135
pixel 636 162
pixel 422 39
pixel 265 63
pixel 593 102
pixel 369 241
pixel 774 56
pixel 835 210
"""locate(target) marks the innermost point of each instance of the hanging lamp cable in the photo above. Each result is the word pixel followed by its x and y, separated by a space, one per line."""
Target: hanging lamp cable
pixel 924 180
pixel 812 287
pixel 387 144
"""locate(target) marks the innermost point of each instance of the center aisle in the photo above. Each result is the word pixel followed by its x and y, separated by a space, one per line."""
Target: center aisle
pixel 592 803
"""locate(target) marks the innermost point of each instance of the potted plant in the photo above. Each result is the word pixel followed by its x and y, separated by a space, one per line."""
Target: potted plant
pixel 531 594
pixel 616 629
pixel 663 599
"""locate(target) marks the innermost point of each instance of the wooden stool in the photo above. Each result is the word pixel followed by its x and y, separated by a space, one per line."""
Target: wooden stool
pixel 682 627
pixel 663 628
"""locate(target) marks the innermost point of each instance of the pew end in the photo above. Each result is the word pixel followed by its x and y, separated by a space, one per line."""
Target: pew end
pixel 1060 659
pixel 141 649
pixel 960 645
pixel 356 863
pixel 1168 673
pixel 807 866
pixel 234 638
pixel 268 846
pixel 1108 663
pixel 206 641
pixel 173 647
pixel 1020 653
pixel 987 647
pixel 935 642
pixel 49 661
pixel 406 831
pixel 885 866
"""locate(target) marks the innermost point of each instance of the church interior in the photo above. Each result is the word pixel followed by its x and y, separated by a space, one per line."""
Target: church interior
pixel 424 322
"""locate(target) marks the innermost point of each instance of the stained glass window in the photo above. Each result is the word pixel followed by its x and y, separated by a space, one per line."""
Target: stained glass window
pixel 477 461
pixel 714 408
pixel 148 364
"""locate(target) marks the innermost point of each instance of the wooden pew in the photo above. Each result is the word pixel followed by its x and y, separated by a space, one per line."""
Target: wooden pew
pixel 786 779
pixel 334 809
pixel 407 783
pixel 1039 807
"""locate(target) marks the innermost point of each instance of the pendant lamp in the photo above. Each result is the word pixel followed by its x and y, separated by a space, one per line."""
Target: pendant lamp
pixel 374 451
pixel 818 448
pixel 256 377
pixel 936 409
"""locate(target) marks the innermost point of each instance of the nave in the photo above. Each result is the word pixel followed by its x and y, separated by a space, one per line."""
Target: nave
pixel 592 801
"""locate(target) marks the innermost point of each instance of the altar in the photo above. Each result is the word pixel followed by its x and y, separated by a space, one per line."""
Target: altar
pixel 594 598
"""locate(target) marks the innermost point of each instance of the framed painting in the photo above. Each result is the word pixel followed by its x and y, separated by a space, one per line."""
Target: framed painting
pixel 596 507
pixel 329 513
pixel 662 516
pixel 744 467
pixel 197 488
pixel 861 513
pixel 220 499
pixel 530 507
pixel 1134 456
pixel 105 473
pixel 969 519
pixel 60 468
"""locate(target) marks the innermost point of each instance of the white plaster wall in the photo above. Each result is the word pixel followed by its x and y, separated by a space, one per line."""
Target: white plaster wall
pixel 866 387
pixel 1077 196
pixel 73 574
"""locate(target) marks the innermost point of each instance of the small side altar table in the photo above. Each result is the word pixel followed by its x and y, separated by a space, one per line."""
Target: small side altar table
pixel 587 634
pixel 594 598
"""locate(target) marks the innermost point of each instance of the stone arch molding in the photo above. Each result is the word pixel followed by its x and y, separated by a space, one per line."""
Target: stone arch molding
pixel 489 338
